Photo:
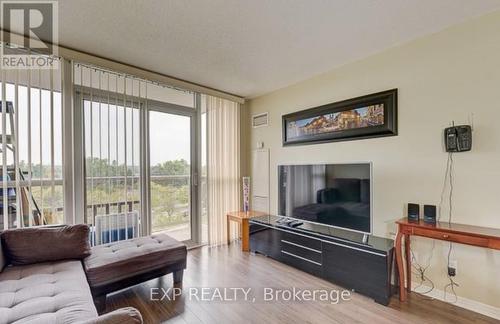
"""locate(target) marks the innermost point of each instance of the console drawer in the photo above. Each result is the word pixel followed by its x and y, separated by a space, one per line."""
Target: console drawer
pixel 452 237
pixel 301 251
pixel 302 263
pixel 300 240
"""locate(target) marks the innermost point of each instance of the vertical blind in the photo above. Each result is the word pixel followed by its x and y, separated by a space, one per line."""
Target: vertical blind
pixel 111 105
pixel 31 148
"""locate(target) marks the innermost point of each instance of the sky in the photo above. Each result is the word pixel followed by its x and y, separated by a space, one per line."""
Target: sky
pixel 170 137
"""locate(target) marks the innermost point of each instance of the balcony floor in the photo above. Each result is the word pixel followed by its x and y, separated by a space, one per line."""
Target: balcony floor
pixel 182 232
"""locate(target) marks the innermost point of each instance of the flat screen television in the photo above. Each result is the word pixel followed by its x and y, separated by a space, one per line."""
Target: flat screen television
pixel 337 195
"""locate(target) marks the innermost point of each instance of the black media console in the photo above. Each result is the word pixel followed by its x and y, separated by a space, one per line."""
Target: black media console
pixel 336 255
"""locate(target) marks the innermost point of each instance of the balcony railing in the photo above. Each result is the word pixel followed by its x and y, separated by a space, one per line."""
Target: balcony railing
pixel 169 197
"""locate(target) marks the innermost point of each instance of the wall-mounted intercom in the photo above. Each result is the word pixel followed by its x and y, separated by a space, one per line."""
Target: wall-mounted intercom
pixel 458 138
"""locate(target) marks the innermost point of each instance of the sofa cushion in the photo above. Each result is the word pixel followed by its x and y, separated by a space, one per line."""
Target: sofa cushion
pixel 52 292
pixel 41 244
pixel 112 262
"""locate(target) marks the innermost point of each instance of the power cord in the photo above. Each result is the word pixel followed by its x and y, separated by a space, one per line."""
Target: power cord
pixel 419 268
pixel 452 284
pixel 445 182
pixel 420 272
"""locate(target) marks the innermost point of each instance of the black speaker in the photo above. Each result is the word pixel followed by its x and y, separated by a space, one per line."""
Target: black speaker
pixel 413 212
pixel 430 214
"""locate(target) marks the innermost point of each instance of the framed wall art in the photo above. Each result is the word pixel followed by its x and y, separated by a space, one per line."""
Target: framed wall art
pixel 373 115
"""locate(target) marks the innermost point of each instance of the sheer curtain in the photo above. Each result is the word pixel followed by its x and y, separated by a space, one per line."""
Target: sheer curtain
pixel 223 165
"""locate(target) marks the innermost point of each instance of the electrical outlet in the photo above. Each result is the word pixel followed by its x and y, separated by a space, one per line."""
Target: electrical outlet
pixel 452 268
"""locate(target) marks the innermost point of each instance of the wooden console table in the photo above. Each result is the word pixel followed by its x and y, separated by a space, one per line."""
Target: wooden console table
pixel 242 218
pixel 450 232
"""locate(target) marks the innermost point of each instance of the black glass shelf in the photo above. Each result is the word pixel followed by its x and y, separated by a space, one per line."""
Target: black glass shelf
pixel 327 233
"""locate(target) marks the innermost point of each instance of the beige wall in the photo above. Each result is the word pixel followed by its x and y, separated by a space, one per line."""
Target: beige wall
pixel 443 77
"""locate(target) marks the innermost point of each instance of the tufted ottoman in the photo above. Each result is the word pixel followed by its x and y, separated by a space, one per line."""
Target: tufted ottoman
pixel 122 264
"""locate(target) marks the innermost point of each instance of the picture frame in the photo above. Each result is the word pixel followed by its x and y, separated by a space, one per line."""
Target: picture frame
pixel 370 116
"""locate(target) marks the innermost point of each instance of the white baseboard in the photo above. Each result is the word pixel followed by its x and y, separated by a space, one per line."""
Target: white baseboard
pixel 463 302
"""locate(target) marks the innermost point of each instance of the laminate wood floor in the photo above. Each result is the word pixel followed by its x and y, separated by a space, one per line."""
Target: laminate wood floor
pixel 229 267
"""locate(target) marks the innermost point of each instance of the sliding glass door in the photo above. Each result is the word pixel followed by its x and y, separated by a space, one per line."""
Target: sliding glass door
pixel 140 150
pixel 170 165
pixel 131 190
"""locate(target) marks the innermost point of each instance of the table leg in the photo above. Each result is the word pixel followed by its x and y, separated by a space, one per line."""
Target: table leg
pixel 228 232
pixel 245 236
pixel 408 262
pixel 399 263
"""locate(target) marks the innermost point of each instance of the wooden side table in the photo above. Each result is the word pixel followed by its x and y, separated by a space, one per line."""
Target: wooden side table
pixel 444 231
pixel 242 218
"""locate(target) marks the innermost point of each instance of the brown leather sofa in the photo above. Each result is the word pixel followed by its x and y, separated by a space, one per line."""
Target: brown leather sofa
pixel 45 273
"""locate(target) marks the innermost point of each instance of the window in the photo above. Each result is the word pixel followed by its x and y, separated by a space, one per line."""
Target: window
pixel 135 154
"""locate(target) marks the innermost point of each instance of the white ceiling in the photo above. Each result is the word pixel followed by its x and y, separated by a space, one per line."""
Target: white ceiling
pixel 251 47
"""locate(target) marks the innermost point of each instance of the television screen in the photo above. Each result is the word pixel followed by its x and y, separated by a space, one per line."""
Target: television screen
pixel 336 195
